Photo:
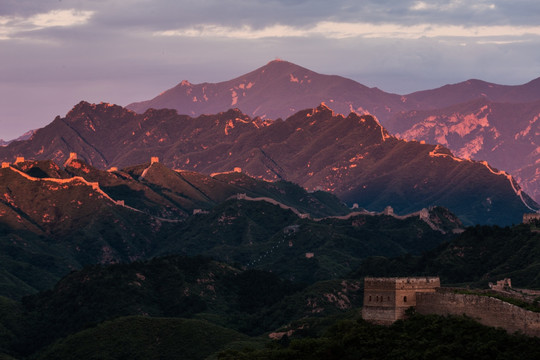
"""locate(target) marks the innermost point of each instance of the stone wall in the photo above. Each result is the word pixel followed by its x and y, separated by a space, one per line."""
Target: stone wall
pixel 387 299
pixel 486 310
pixel 380 315
pixel 529 218
pixel 379 300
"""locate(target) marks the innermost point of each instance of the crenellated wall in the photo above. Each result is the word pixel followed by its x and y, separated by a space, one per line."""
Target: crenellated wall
pixel 486 310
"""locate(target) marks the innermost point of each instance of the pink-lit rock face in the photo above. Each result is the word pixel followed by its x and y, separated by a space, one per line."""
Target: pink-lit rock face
pixel 465 131
pixel 506 135
pixel 352 156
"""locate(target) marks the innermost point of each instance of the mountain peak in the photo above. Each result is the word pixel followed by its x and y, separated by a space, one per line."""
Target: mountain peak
pixel 323 108
pixel 280 62
pixel 84 106
pixel 279 89
pixel 279 70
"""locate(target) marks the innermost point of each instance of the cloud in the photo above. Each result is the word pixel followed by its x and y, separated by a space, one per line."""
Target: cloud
pixel 343 30
pixel 13 26
pixel 453 5
pixel 60 18
pixel 245 32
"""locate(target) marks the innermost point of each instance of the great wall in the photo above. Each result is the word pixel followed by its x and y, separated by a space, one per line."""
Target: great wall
pixel 82 181
pixel 387 300
pixel 486 310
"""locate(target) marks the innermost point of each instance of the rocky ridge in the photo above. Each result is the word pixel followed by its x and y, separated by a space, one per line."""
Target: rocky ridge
pixel 352 156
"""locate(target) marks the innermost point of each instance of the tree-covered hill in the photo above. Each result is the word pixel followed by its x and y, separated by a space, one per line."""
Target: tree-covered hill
pixel 479 255
pixel 420 337
pixel 145 338
pixel 55 220
pixel 249 301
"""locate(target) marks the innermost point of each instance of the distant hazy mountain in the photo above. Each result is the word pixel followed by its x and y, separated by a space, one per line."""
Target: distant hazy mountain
pixel 353 157
pixel 27 135
pixel 279 89
pixel 473 89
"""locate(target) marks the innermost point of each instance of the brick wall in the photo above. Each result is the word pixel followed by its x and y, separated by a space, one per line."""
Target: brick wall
pixel 486 310
pixel 387 299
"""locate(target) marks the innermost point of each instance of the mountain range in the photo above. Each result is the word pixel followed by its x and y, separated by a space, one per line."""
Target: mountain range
pixel 151 234
pixel 55 219
pixel 352 157
pixel 474 119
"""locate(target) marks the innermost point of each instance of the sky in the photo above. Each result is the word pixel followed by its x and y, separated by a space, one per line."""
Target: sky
pixel 55 53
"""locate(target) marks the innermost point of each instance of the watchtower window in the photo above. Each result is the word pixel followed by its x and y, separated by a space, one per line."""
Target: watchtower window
pixel 370 298
pixel 405 299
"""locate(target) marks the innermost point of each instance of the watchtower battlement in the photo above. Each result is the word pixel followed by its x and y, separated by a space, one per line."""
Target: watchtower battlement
pixel 387 299
pixel 531 217
pixel 402 283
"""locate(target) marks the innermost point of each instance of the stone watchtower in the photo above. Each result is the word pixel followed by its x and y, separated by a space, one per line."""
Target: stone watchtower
pixel 531 218
pixel 387 299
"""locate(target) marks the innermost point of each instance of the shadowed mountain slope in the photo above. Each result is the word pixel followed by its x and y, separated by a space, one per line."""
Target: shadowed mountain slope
pixel 352 157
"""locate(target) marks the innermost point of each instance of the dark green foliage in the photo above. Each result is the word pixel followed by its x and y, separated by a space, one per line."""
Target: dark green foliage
pixel 317 204
pixel 6 357
pixel 10 324
pixel 480 255
pixel 254 302
pixel 330 298
pixel 258 289
pixel 264 236
pixel 253 234
pixel 420 337
pixel 98 293
pixel 250 301
pixel 28 263
pixel 144 338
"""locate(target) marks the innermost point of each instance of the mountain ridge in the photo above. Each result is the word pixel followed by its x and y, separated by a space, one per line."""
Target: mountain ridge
pixel 293 88
pixel 354 157
pixel 279 89
pixel 500 133
pixel 54 220
pixel 290 77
